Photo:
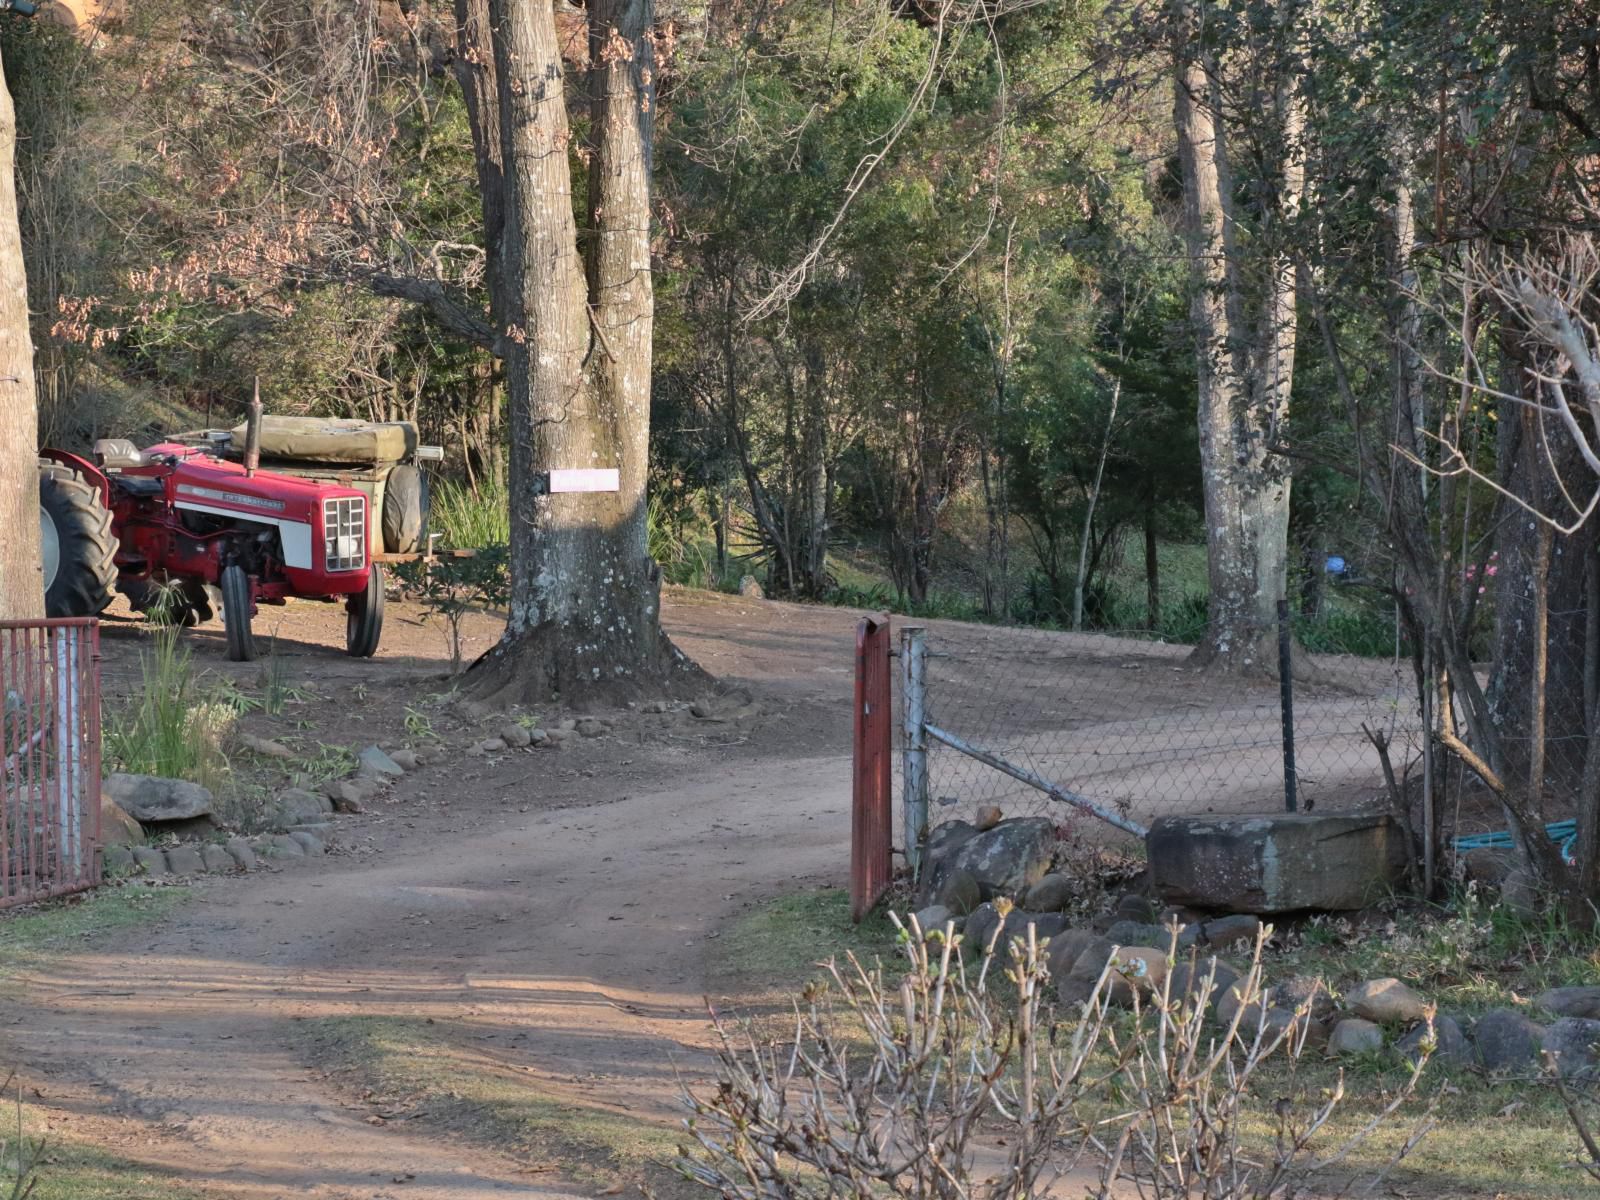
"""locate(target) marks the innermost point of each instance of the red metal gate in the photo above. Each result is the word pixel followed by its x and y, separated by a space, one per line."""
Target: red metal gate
pixel 872 804
pixel 49 758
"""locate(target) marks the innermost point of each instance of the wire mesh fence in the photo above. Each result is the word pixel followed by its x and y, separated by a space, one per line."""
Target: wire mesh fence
pixel 1127 725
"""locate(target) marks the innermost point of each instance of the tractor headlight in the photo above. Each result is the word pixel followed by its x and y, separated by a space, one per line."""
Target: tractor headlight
pixel 344 540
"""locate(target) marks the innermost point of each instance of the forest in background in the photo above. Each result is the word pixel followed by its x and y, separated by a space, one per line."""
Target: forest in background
pixel 990 327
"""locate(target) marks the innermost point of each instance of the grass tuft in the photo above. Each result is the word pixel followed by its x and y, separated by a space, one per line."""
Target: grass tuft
pixel 471 518
pixel 169 728
pixel 784 939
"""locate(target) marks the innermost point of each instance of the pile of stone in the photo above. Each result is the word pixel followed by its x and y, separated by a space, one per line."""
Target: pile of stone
pixel 993 874
pixel 1512 1041
pixel 990 879
pixel 515 736
pixel 299 822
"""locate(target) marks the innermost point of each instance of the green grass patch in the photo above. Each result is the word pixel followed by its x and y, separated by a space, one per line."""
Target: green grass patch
pixel 782 941
pixel 471 518
pixel 1508 1140
pixel 1468 957
pixel 30 935
pixel 68 1170
pixel 1492 1137
pixel 417 1068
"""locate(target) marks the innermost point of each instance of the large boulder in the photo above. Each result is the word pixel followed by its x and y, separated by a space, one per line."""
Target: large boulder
pixel 148 798
pixel 1286 863
pixel 1067 946
pixel 938 856
pixel 1140 970
pixel 1354 1036
pixel 1386 1001
pixel 1570 1044
pixel 960 893
pixel 1450 1044
pixel 117 828
pixel 1051 894
pixel 1008 859
pixel 1571 1001
pixel 1507 1040
pixel 1199 981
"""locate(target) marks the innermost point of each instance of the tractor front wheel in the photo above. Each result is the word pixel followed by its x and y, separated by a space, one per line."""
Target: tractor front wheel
pixel 363 621
pixel 235 587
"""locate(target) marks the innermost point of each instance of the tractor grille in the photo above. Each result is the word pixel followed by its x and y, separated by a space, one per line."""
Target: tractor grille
pixel 344 533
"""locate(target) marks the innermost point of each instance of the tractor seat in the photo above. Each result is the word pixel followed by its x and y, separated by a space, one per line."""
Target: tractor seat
pixel 117 452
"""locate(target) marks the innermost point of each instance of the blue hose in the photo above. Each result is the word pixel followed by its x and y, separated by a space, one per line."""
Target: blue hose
pixel 1564 832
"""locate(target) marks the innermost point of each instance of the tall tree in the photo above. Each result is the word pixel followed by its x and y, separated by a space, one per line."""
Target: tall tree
pixel 21 581
pixel 1246 367
pixel 585 594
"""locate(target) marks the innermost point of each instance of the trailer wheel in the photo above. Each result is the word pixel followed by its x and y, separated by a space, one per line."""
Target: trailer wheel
pixel 236 613
pixel 405 510
pixel 79 549
pixel 363 620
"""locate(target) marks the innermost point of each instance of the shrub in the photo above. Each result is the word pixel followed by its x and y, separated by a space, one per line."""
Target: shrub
pixel 885 1083
pixel 452 587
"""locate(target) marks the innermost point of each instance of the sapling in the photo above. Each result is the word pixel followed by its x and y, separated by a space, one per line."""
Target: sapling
pixel 451 587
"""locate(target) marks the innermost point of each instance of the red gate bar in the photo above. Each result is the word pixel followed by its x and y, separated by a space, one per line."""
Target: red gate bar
pixel 49 758
pixel 872 805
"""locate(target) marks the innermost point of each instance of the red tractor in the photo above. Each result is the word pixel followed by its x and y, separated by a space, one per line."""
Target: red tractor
pixel 168 524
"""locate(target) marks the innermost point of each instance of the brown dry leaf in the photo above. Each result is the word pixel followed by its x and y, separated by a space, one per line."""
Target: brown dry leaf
pixel 614 1190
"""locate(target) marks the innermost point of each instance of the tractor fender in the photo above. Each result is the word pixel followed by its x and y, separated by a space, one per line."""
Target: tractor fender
pixel 92 475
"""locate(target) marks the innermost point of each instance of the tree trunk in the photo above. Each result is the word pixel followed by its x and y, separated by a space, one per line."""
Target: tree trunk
pixel 480 88
pixel 813 548
pixel 585 596
pixel 21 581
pixel 1527 583
pixel 1152 569
pixel 1089 507
pixel 1244 381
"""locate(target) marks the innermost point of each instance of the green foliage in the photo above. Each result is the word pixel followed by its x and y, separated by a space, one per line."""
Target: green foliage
pixel 936 605
pixel 471 517
pixel 451 587
pixel 1361 631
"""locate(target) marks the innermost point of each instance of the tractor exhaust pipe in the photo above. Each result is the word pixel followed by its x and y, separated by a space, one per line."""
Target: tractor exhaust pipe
pixel 252 432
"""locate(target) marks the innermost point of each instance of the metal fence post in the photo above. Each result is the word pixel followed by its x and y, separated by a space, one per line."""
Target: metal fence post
pixel 1286 702
pixel 914 682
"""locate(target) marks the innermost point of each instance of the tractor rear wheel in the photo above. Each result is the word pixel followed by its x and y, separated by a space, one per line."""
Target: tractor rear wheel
pixel 235 589
pixel 79 549
pixel 363 621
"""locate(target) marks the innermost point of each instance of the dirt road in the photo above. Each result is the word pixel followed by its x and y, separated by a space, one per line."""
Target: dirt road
pixel 553 909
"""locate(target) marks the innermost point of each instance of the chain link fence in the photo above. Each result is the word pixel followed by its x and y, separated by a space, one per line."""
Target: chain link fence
pixel 1080 726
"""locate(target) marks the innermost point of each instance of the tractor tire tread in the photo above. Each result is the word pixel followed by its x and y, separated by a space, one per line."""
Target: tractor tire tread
pixel 235 588
pixel 87 541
